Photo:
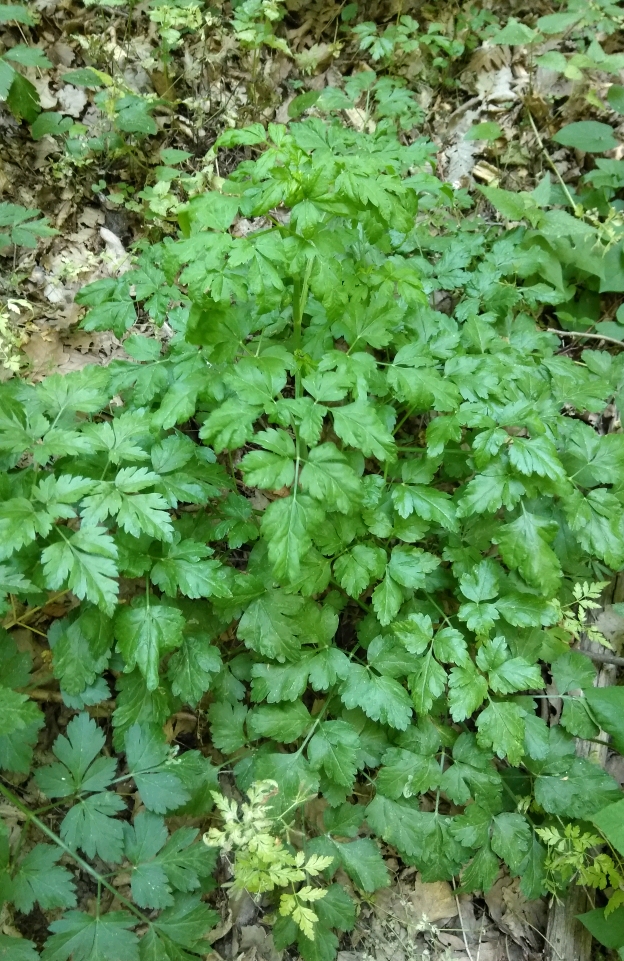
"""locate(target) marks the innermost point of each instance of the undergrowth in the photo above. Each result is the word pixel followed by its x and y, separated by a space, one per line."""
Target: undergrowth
pixel 354 533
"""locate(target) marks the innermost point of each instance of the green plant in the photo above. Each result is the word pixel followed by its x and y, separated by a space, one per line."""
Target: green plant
pixel 167 872
pixel 387 539
pixel 23 230
pixel 263 862
pixel 174 20
pixel 19 93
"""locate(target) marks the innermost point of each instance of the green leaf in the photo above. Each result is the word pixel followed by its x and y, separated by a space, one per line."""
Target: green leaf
pixel 387 599
pixel 484 131
pixel 533 871
pixel 23 102
pixel 427 684
pixel 192 667
pixel 323 948
pixel 328 477
pixel 580 790
pixel 162 863
pixel 610 822
pixel 160 788
pixel 14 948
pixel 607 706
pixel 336 909
pixel 615 96
pixel 84 937
pixel 381 698
pixel 607 929
pixel 270 626
pixel 472 773
pixel 515 33
pixel 17 12
pixel 501 727
pixel 227 726
pixel 426 502
pixel 400 823
pixel 187 922
pixel 511 839
pixel 362 861
pixel 467 690
pixel 507 674
pixel 80 768
pixel 335 750
pixel 27 56
pixel 91 825
pixel 145 631
pixel 40 879
pixel 80 648
pixel 280 722
pixel 405 774
pixel 480 873
pixel 358 424
pixel 17 712
pixel 524 546
pixel 85 560
pixel 356 568
pixel 588 135
pixel 571 671
pixel 184 568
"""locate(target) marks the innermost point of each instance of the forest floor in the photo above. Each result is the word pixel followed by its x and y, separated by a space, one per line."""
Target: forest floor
pixel 198 78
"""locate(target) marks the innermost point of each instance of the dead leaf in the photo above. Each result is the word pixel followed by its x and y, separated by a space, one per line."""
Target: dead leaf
pixel 72 100
pixel 44 352
pixel 434 901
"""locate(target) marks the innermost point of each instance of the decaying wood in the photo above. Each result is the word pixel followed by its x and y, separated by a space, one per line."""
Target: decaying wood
pixel 566 938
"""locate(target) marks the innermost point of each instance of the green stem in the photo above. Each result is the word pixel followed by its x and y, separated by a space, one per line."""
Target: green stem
pixel 84 865
pixel 300 296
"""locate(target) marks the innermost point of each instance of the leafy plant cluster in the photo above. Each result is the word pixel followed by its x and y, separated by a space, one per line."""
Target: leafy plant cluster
pixel 357 534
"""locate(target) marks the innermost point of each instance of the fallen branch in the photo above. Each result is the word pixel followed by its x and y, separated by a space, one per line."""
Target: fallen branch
pixel 580 333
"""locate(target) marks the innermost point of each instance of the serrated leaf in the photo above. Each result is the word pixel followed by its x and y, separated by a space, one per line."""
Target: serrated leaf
pixel 328 477
pixel 162 863
pixel 387 599
pixel 40 879
pixel 427 684
pixel 227 726
pixel 511 839
pixel 356 568
pixel 91 825
pixel 85 560
pixel 17 712
pixel 80 768
pixel 185 568
pixel 381 698
pixel 83 937
pixel 145 631
pixel 270 626
pixel 524 546
pixel 17 949
pixel 501 727
pixel 467 691
pixel 580 790
pixel 359 426
pixel 335 749
pixel 160 788
pixel 405 774
pixel 400 823
pixel 280 722
pixel 192 667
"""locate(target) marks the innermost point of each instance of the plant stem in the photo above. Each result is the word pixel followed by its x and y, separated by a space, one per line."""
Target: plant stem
pixel 300 296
